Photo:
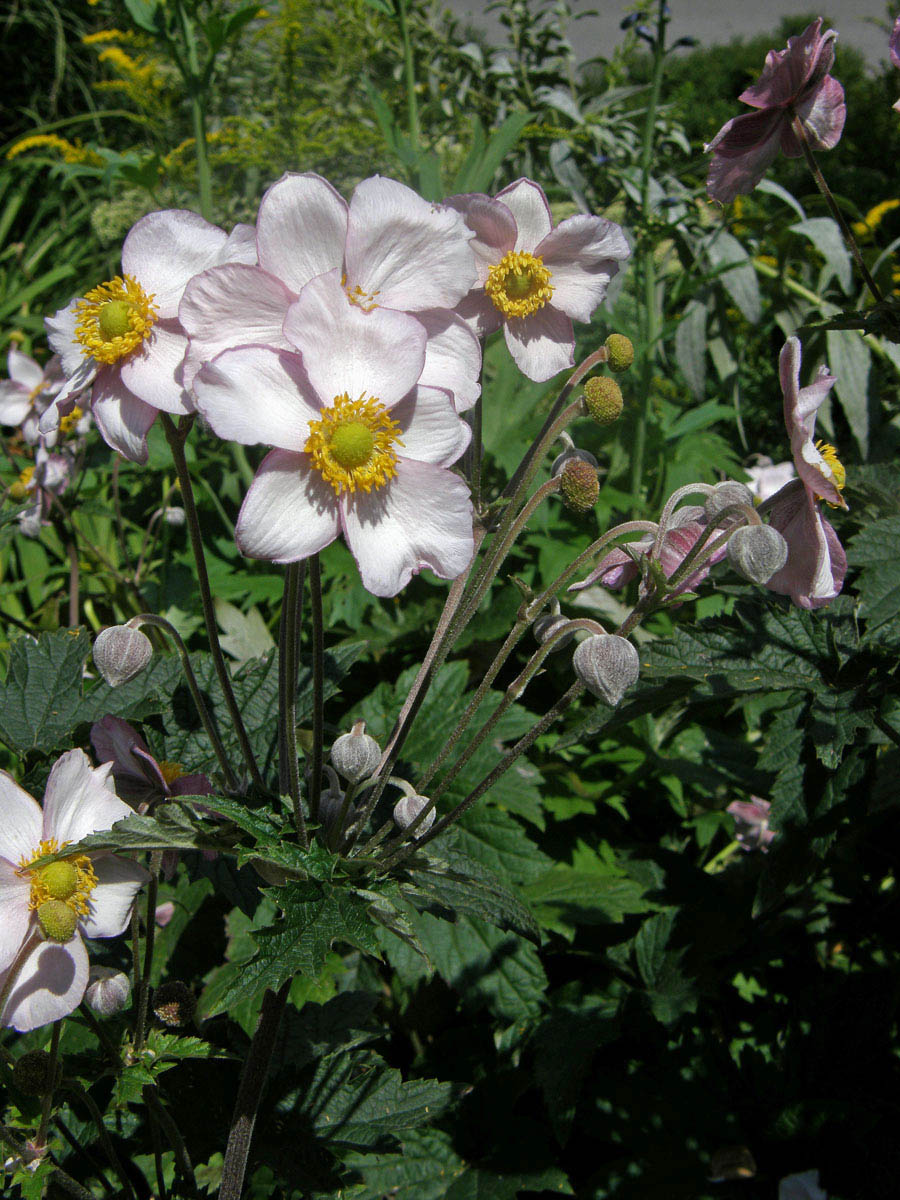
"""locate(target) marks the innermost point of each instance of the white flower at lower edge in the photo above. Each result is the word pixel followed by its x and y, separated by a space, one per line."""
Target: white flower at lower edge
pixel 361 445
pixel 43 974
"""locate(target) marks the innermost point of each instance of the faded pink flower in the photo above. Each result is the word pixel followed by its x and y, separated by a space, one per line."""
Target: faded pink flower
pixel 894 49
pixel 816 565
pixel 794 82
pixel 46 911
pixel 534 279
pixel 767 478
pixel 48 477
pixel 29 387
pixel 751 823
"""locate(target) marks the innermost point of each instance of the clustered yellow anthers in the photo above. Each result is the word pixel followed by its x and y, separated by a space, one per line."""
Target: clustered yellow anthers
pixel 68 881
pixel 170 771
pixel 519 284
pixel 352 445
pixel 114 318
pixel 19 489
pixel 68 422
pixel 835 466
pixel 364 300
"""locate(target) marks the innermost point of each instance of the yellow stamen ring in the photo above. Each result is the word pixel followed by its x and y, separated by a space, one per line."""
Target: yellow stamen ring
pixel 68 881
pixel 364 300
pixel 352 444
pixel 835 466
pixel 114 318
pixel 519 284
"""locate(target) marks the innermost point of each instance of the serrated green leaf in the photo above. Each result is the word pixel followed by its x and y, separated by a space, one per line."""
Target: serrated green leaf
pixel 564 895
pixel 41 695
pixel 319 1030
pixel 850 360
pixel 481 896
pixel 875 550
pixel 174 827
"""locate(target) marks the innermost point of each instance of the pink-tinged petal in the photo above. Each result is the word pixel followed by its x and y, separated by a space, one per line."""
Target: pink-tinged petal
pixel 76 802
pixel 255 394
pixel 301 229
pixel 230 306
pixel 582 255
pixel 480 313
pixel 239 246
pixel 21 822
pixel 123 419
pixel 816 565
pixel 823 114
pixel 676 546
pixel 61 336
pixel 380 353
pixel 118 882
pixel 494 227
pixel 744 148
pixel 15 402
pixel 614 570
pixel 154 372
pixel 114 740
pixel 49 984
pixel 405 252
pixel 542 344
pixel 15 915
pixel 789 72
pixel 23 369
pixel 528 205
pixel 800 408
pixel 452 357
pixel 165 249
pixel 422 518
pixel 289 512
pixel 431 431
pixel 64 400
pixel 894 44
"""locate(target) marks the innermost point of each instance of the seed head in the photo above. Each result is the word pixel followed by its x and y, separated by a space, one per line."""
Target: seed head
pixel 174 1003
pixel 603 399
pixel 621 352
pixel 579 486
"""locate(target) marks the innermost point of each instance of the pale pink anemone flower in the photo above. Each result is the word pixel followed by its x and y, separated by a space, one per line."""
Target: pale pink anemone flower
pixel 392 249
pixel 124 338
pixel 361 444
pixel 751 823
pixel 894 50
pixel 816 565
pixel 29 387
pixel 48 477
pixel 619 566
pixel 794 82
pixel 767 477
pixel 45 912
pixel 534 279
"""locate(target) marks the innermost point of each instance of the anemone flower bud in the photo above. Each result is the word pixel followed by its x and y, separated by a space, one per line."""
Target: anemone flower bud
pixel 408 808
pixel 549 623
pixel 174 1003
pixel 107 991
pixel 607 665
pixel 725 495
pixel 621 352
pixel 578 485
pixel 602 398
pixel 120 653
pixel 757 552
pixel 355 755
pixel 32 1073
pixel 174 515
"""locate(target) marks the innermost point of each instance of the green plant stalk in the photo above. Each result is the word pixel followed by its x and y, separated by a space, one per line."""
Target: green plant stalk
pixel 175 438
pixel 82 1094
pixel 193 80
pixel 409 71
pixel 288 768
pixel 87 1158
pixel 318 682
pixel 47 1099
pixel 182 1159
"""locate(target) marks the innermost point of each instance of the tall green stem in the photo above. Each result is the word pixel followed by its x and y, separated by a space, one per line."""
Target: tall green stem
pixel 318 682
pixel 288 769
pixel 409 70
pixel 194 82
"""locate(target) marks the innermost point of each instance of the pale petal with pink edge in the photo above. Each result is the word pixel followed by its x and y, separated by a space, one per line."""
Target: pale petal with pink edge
pixel 379 353
pixel 48 986
pixel 431 431
pixel 239 246
pixel 76 802
pixel 153 373
pixel 479 312
pixel 254 394
pixel 289 512
pixel 816 566
pixel 21 822
pixel 582 254
pixel 528 205
pixel 407 253
pixel 301 229
pixel 15 402
pixel 15 915
pixel 823 115
pixel 542 344
pixel 61 336
pixel 119 881
pixel 164 249
pixel 800 408
pixel 229 306
pixel 123 419
pixel 23 369
pixel 452 357
pixel 744 149
pixel 494 227
pixel 422 518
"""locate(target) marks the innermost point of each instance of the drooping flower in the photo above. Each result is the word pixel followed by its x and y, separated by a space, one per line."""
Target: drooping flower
pixel 392 249
pixel 816 565
pixel 361 444
pixel 751 823
pixel 46 911
pixel 141 779
pixel 123 336
pixel 29 387
pixel 534 279
pixel 794 83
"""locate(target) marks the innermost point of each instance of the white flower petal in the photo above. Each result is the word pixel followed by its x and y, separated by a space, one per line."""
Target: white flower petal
pixel 301 229
pixel 21 821
pixel 61 336
pixel 119 881
pixel 452 357
pixel 431 430
pixel 528 204
pixel 23 369
pixel 239 246
pixel 494 227
pixel 407 253
pixel 15 916
pixel 542 344
pixel 256 394
pixel 165 249
pixel 289 511
pixel 76 802
pixel 123 419
pixel 347 350
pixel 49 985
pixel 15 402
pixel 422 518
pixel 582 254
pixel 153 373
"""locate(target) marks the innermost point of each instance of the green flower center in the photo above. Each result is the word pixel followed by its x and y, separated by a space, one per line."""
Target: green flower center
pixel 114 319
pixel 352 445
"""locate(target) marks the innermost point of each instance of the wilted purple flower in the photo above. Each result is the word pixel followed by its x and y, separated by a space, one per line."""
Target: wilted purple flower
pixel 751 823
pixel 794 82
pixel 140 779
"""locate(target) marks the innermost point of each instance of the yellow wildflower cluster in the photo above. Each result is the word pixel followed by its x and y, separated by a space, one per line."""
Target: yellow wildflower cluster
pixel 865 228
pixel 71 152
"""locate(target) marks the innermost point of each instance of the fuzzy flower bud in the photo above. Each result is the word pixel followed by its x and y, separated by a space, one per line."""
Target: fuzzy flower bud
pixel 408 808
pixel 607 665
pixel 107 991
pixel 32 1074
pixel 174 1003
pixel 621 352
pixel 549 623
pixel 174 515
pixel 603 399
pixel 120 653
pixel 725 495
pixel 355 755
pixel 578 486
pixel 757 552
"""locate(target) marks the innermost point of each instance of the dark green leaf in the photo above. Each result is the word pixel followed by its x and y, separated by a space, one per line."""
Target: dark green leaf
pixel 41 695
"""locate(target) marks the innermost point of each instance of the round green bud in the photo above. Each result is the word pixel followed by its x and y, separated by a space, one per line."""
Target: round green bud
pixel 355 755
pixel 725 495
pixel 757 552
pixel 32 1074
pixel 58 922
pixel 621 352
pixel 408 808
pixel 120 653
pixel 108 991
pixel 603 399
pixel 607 665
pixel 578 485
